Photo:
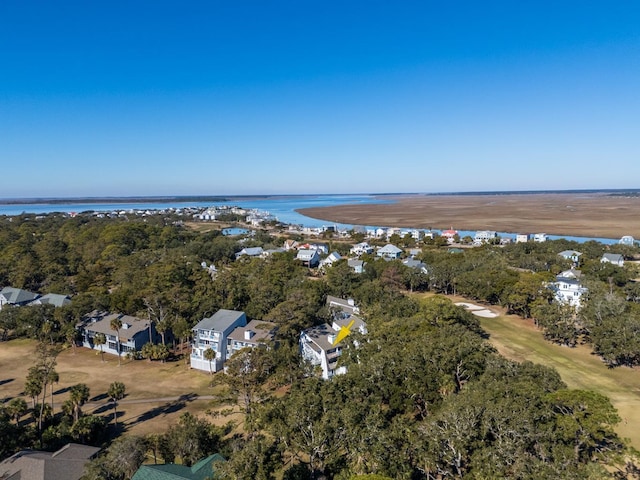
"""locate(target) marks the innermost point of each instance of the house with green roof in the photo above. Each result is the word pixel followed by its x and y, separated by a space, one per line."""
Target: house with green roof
pixel 203 470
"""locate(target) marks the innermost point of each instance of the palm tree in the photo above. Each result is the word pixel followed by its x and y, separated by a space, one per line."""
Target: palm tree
pixel 16 408
pixel 100 339
pixel 33 385
pixel 79 395
pixel 116 324
pixel 52 378
pixel 116 392
pixel 210 354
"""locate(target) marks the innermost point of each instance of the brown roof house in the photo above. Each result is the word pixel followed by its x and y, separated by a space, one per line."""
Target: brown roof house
pixel 66 464
pixel 255 333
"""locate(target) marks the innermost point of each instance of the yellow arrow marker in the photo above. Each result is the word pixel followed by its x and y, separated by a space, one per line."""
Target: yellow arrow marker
pixel 344 331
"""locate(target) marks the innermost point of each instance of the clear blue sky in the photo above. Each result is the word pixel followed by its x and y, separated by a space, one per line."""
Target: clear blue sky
pixel 242 97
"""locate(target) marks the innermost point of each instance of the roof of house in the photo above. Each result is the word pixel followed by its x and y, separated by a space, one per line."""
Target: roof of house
pixel 413 263
pixel 571 273
pixel 358 323
pixel 220 321
pixel 569 253
pixel 390 248
pixel 251 252
pixel 17 295
pixel 306 254
pixel 319 335
pixel 355 262
pixel 346 305
pixel 101 322
pixel 202 470
pixel 55 299
pixel 65 464
pixel 263 331
pixel 613 257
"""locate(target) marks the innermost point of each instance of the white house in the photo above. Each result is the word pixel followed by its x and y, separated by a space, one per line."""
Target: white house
pixel 613 258
pixel 567 290
pixel 523 237
pixel 540 237
pixel 317 343
pixel 389 251
pixel 16 296
pixel 332 258
pixel 316 347
pixel 484 236
pixel 356 265
pixel 572 255
pixel 627 240
pixel 212 332
pixel 361 248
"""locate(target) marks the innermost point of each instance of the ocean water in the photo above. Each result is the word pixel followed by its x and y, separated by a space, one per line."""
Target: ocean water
pixel 283 207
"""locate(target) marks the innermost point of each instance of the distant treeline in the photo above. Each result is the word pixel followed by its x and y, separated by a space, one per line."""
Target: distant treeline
pixel 90 200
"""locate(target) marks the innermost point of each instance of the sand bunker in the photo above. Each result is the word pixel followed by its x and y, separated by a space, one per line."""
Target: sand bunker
pixel 478 310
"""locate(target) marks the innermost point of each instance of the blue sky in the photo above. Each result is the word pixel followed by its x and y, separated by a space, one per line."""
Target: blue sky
pixel 208 98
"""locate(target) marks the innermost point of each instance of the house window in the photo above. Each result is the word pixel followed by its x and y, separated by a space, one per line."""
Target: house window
pixel 112 345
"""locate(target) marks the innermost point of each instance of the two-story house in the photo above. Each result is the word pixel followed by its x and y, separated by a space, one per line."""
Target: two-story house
pixel 212 333
pixel 389 251
pixel 253 334
pixel 361 248
pixel 131 337
pixel 568 289
pixel 308 257
pixel 318 344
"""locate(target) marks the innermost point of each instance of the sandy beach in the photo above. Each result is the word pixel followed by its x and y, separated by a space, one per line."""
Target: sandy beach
pixel 575 214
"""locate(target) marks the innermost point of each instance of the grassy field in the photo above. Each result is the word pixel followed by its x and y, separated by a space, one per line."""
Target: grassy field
pixel 143 380
pixel 520 340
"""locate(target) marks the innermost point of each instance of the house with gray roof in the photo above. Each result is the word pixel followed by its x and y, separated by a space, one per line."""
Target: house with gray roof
pixel 332 258
pixel 135 332
pixel 572 255
pixel 316 347
pixel 55 299
pixel 253 334
pixel 341 304
pixel 389 251
pixel 567 289
pixel 318 344
pixel 65 464
pixel 212 333
pixel 416 265
pixel 16 296
pixel 356 265
pixel 250 252
pixel 613 258
pixel 309 258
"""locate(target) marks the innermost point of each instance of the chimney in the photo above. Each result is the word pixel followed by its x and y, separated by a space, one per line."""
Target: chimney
pixel 248 334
